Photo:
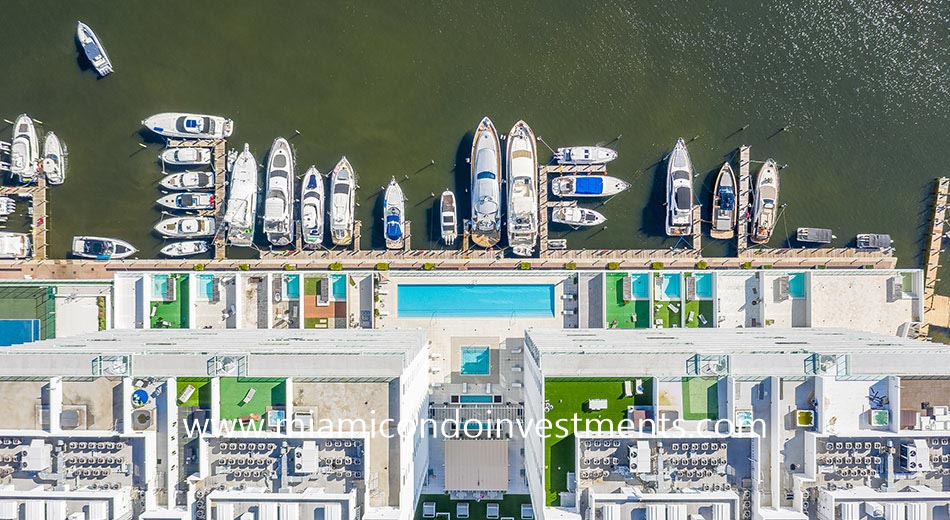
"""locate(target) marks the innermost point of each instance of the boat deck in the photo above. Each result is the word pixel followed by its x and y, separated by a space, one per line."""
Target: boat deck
pixel 742 204
pixel 932 255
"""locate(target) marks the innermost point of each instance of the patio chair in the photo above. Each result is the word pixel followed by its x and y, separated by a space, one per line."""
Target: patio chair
pixel 249 395
pixel 527 512
pixel 186 393
pixel 492 511
pixel 461 510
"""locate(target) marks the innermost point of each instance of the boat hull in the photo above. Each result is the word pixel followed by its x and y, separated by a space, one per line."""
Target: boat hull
pixel 185 248
pixel 241 212
pixel 448 222
pixel 584 155
pixel 486 194
pixel 189 126
pixel 188 181
pixel 186 156
pixel 100 248
pixel 311 209
pixel 186 227
pixel 765 206
pixel 587 186
pixel 394 216
pixel 577 217
pixel 279 199
pixel 522 169
pixel 724 219
pixel 679 192
pixel 15 246
pixel 24 152
pixel 342 203
pixel 93 49
pixel 54 159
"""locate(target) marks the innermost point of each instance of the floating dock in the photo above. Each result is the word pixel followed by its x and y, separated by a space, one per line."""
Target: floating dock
pixel 932 256
pixel 36 195
pixel 742 205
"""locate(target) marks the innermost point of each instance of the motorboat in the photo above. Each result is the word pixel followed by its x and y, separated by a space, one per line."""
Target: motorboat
pixel 312 195
pixel 679 191
pixel 724 212
pixel 189 126
pixel 100 248
pixel 448 220
pixel 185 248
pixel 765 205
pixel 279 199
pixel 186 156
pixel 241 212
pixel 342 203
pixel 187 201
pixel 576 217
pixel 812 235
pixel 54 159
pixel 394 216
pixel 188 181
pixel 587 186
pixel 874 241
pixel 14 246
pixel 93 49
pixel 584 155
pixel 486 193
pixel 522 163
pixel 186 227
pixel 24 150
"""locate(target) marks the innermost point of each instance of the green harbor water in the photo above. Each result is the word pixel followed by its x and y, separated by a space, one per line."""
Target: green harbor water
pixel 863 88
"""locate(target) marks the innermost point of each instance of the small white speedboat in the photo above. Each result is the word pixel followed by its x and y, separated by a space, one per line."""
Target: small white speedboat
pixel 279 198
pixel 188 181
pixel 342 203
pixel 311 208
pixel 576 217
pixel 186 227
pixel 241 214
pixel 54 159
pixel 449 218
pixel 100 248
pixel 24 150
pixel 187 156
pixel 187 201
pixel 394 216
pixel 93 49
pixel 185 248
pixel 189 126
pixel 587 186
pixel 14 246
pixel 583 155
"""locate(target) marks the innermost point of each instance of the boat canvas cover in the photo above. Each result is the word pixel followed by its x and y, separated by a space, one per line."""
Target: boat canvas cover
pixel 682 198
pixel 393 229
pixel 187 200
pixel 96 247
pixel 819 235
pixel 589 186
pixel 727 198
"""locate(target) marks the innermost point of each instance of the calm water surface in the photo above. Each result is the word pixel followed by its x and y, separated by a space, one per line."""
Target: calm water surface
pixel 863 86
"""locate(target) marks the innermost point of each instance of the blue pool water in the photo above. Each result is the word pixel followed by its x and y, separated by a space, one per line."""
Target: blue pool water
pixel 476 361
pixel 159 285
pixel 475 301
pixel 671 287
pixel 704 289
pixel 14 332
pixel 641 286
pixel 476 399
pixel 338 286
pixel 206 286
pixel 796 285
pixel 292 286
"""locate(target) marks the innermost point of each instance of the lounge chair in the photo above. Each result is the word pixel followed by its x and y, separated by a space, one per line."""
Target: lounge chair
pixel 492 511
pixel 186 393
pixel 627 388
pixel 249 395
pixel 702 319
pixel 691 316
pixel 461 510
pixel 527 513
pixel 428 510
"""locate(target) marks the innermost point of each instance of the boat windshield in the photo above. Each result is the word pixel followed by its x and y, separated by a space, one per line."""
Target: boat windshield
pixel 485 175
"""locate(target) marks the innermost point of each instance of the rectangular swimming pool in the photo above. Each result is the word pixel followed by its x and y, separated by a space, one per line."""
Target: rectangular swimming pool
pixel 475 301
pixel 670 288
pixel 206 286
pixel 338 286
pixel 704 289
pixel 292 286
pixel 475 361
pixel 641 286
pixel 159 286
pixel 796 285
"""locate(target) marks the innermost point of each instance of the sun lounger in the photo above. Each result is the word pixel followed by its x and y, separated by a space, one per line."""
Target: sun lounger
pixel 627 388
pixel 428 509
pixel 249 395
pixel 702 319
pixel 691 316
pixel 186 394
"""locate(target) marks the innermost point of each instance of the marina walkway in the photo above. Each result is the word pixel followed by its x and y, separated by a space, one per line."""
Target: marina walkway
pixel 36 195
pixel 932 257
pixel 745 190
pixel 219 164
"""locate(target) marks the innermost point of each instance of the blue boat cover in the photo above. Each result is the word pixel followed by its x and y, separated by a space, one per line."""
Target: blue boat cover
pixel 312 182
pixel 589 186
pixel 393 229
pixel 727 198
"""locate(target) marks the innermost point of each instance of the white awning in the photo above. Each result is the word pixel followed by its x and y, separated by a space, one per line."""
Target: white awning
pixel 475 465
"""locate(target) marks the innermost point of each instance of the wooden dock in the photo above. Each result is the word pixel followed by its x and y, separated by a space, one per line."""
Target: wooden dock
pixel 742 204
pixel 932 256
pixel 219 163
pixel 697 227
pixel 546 203
pixel 39 212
